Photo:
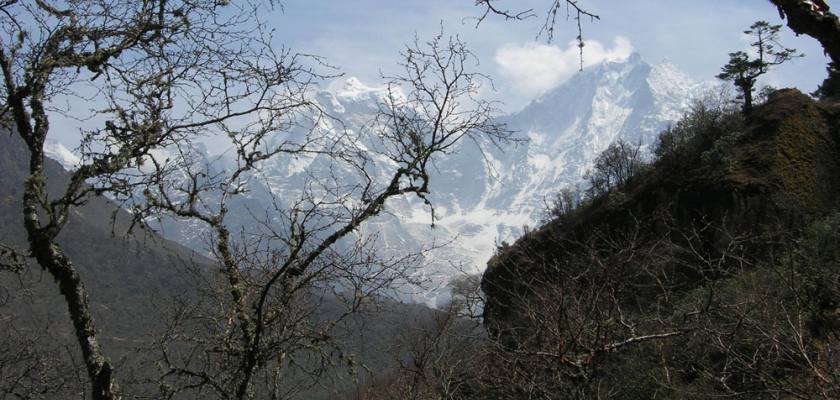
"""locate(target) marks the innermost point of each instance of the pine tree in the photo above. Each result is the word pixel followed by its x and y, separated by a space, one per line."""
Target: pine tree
pixel 744 71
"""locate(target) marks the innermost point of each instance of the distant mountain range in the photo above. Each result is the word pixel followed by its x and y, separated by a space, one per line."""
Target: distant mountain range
pixel 136 282
pixel 480 199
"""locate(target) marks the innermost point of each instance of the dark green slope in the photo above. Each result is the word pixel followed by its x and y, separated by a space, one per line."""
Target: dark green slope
pixel 131 278
pixel 714 272
pixel 780 170
pixel 134 281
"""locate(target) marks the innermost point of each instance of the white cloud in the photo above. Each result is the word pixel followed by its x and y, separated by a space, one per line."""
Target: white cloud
pixel 533 68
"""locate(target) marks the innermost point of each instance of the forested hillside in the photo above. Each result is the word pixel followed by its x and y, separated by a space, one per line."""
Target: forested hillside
pixel 139 285
pixel 713 271
pixel 135 278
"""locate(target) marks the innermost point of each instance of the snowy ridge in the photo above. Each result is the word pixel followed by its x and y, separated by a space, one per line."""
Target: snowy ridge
pixel 566 129
pixel 483 200
pixel 58 152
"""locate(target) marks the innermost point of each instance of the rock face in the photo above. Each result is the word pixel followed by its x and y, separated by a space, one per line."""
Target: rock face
pixel 482 195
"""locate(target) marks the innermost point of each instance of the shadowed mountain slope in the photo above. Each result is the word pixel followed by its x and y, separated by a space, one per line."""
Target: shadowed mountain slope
pixel 714 271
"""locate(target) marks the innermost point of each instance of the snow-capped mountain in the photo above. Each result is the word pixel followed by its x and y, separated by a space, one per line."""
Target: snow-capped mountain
pixel 483 199
pixel 55 150
pixel 569 126
pixel 480 199
pixel 487 202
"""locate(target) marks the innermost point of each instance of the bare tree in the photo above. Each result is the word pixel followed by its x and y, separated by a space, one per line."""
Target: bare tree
pixel 615 167
pixel 434 351
pixel 257 331
pixel 155 72
pixel 570 8
pixel 563 203
pixel 164 73
pixel 32 362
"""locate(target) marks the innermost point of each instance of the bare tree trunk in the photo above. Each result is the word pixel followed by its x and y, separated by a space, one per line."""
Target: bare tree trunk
pixel 52 258
pixel 748 99
pixel 821 24
pixel 99 369
pixel 41 236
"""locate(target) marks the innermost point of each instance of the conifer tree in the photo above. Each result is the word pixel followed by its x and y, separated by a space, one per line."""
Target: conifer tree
pixel 744 71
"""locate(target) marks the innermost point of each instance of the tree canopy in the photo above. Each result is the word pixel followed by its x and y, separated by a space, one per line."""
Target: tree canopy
pixel 743 70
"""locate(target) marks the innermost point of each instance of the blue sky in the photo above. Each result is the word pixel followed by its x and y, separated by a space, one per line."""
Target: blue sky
pixel 363 37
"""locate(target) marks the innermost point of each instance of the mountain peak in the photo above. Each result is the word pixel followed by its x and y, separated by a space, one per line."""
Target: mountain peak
pixel 55 150
pixel 667 67
pixel 571 124
pixel 633 62
pixel 608 76
pixel 354 84
pixel 353 88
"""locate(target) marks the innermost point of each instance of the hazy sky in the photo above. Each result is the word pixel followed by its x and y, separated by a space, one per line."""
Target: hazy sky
pixel 363 37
